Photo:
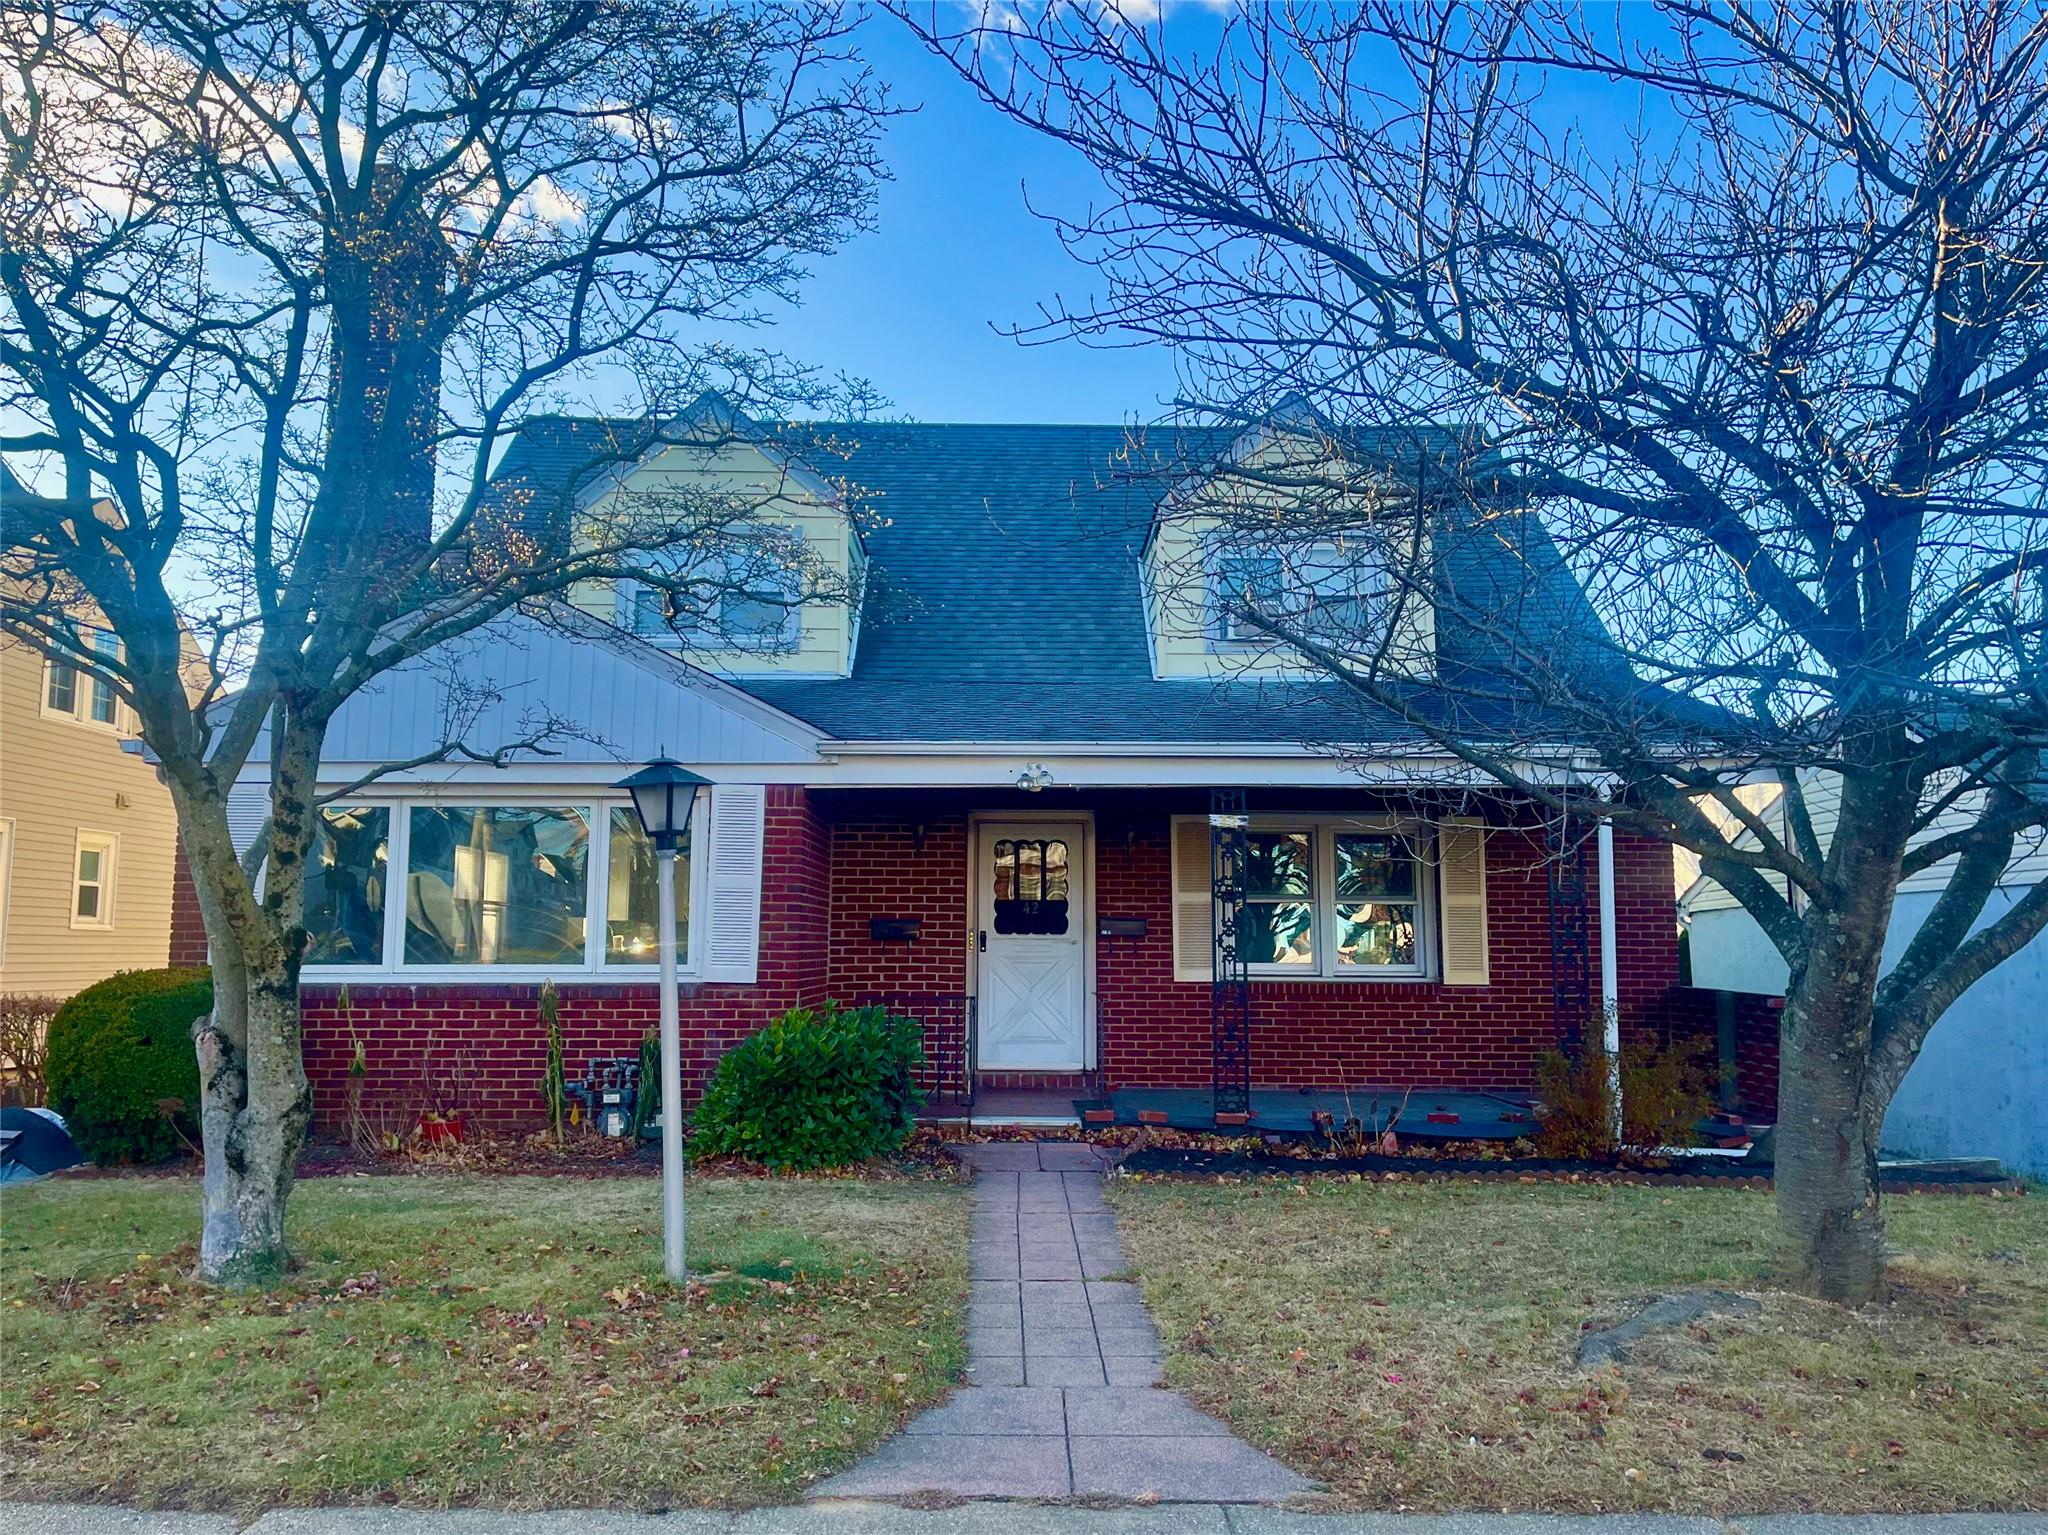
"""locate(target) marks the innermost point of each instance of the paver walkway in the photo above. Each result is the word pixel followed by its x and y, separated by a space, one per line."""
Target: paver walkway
pixel 1063 1364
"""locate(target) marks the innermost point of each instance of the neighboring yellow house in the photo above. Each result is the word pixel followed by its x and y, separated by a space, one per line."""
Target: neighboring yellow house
pixel 87 833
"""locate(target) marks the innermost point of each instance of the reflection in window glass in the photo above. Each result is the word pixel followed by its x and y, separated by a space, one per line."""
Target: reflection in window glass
pixel 632 926
pixel 106 644
pixel 91 876
pixel 1028 884
pixel 1376 900
pixel 1279 916
pixel 1375 934
pixel 346 877
pixel 496 885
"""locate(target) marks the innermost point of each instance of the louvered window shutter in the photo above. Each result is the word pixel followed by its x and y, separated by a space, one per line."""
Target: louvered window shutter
pixel 248 807
pixel 1194 915
pixel 1461 881
pixel 732 887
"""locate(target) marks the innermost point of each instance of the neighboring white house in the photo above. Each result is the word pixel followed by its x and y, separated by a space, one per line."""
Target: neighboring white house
pixel 1981 1083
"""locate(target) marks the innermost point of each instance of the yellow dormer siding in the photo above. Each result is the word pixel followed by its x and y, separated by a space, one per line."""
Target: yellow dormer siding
pixel 763 496
pixel 1313 523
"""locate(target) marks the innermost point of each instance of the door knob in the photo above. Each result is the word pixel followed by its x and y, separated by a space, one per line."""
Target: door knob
pixel 981 940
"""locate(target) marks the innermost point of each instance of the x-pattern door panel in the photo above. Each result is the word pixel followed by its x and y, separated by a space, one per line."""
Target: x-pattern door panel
pixel 1032 912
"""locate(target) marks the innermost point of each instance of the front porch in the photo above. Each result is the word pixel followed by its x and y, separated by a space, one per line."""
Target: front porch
pixel 1060 948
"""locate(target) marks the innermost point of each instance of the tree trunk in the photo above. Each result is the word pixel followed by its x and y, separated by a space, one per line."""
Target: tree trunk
pixel 1831 1228
pixel 255 1108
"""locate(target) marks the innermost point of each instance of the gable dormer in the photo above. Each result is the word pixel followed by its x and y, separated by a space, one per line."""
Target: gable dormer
pixel 1292 529
pixel 779 559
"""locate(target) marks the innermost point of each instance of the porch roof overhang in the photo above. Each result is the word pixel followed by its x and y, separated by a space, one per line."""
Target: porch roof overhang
pixel 999 764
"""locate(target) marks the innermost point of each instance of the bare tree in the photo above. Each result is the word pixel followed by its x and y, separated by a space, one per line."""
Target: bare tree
pixel 278 281
pixel 1769 367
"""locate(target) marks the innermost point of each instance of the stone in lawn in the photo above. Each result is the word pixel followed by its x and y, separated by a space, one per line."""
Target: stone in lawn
pixel 1612 1345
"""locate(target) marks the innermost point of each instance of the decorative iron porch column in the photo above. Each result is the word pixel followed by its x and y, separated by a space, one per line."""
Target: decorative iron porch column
pixel 1230 988
pixel 1571 983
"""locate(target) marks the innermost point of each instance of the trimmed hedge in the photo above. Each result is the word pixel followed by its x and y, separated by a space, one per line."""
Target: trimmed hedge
pixel 815 1088
pixel 122 1069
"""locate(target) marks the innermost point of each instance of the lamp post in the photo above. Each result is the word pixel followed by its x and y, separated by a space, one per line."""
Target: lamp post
pixel 663 794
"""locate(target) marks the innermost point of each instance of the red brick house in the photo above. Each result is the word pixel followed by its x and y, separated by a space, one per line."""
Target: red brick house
pixel 979 786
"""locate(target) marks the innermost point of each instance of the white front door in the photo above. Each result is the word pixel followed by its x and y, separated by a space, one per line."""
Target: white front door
pixel 1031 911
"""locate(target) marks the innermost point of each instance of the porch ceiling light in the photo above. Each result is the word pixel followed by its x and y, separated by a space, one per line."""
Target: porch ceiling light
pixel 1034 778
pixel 663 793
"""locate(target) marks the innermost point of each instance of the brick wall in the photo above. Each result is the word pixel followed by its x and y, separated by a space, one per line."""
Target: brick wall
pixel 188 925
pixel 483 1048
pixel 837 861
pixel 1693 1012
pixel 879 870
pixel 1155 1031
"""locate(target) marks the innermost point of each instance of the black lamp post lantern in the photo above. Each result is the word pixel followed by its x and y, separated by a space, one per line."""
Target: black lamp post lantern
pixel 663 794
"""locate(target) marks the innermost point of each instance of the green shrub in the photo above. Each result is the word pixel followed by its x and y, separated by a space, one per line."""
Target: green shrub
pixel 815 1088
pixel 121 1064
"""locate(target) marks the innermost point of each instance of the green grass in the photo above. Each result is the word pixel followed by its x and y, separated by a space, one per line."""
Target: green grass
pixel 1411 1345
pixel 495 1340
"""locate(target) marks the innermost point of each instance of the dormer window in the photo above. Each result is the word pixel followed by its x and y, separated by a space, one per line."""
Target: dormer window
pixel 1331 591
pixel 747 598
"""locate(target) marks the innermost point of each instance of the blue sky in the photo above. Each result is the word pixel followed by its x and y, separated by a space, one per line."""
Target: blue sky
pixel 913 307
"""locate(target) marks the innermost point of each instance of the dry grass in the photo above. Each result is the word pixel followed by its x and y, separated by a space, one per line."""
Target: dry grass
pixel 1411 1345
pixel 504 1341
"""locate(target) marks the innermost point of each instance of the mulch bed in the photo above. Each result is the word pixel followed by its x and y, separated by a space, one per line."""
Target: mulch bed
pixel 1167 1162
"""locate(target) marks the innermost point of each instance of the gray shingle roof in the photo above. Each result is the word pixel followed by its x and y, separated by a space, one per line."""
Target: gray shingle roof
pixel 1005 599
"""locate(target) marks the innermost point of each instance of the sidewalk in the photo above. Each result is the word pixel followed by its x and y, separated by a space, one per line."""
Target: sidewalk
pixel 978 1519
pixel 1063 1365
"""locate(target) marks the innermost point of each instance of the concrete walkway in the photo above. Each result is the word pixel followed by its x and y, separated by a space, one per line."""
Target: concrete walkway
pixel 1063 1364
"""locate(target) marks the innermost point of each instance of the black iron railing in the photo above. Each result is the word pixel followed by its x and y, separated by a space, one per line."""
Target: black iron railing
pixel 947 1018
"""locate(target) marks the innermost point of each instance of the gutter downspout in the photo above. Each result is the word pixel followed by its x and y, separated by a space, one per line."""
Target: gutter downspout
pixel 1610 986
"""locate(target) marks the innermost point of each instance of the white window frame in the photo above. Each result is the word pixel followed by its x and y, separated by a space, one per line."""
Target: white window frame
pixel 1323 832
pixel 593 967
pixel 706 634
pixel 1299 592
pixel 84 684
pixel 108 845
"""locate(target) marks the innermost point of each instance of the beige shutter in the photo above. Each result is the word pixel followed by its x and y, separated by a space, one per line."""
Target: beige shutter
pixel 1194 913
pixel 732 885
pixel 1461 883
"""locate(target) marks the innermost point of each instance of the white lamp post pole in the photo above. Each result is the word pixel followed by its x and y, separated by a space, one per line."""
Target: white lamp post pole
pixel 664 793
pixel 671 1073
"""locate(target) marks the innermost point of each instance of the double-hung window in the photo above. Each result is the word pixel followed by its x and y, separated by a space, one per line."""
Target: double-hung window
pixel 92 884
pixel 1336 898
pixel 1330 591
pixel 747 596
pixel 73 693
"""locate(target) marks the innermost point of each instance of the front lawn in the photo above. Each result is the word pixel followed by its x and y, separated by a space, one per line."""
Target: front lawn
pixel 1411 1345
pixel 494 1340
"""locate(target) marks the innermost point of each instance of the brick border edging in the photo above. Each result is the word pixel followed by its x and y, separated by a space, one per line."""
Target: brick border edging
pixel 1646 1177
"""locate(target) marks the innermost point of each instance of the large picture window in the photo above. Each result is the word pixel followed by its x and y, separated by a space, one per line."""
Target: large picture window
pixel 417 886
pixel 1334 898
pixel 496 885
